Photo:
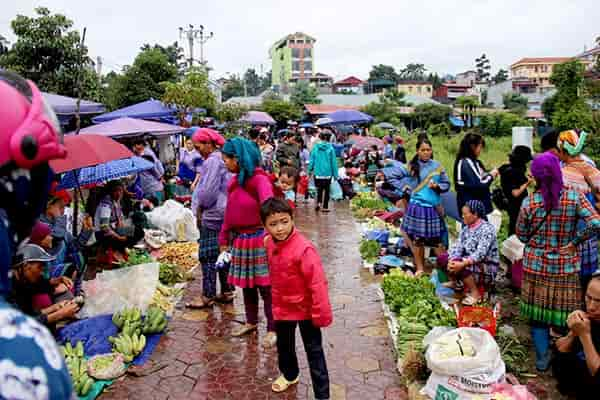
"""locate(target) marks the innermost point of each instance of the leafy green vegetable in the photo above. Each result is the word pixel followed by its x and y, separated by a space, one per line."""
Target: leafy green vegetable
pixel 137 257
pixel 369 250
pixel 514 353
pixel 369 200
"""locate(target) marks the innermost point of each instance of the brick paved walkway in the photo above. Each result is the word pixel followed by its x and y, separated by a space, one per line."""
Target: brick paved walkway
pixel 202 361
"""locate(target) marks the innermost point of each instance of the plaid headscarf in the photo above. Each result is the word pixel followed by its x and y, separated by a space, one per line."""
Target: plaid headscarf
pixel 247 154
pixel 572 141
pixel 546 169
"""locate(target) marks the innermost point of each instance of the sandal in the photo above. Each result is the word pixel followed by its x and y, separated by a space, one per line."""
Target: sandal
pixel 281 384
pixel 244 330
pixel 225 298
pixel 200 305
pixel 269 340
pixel 470 301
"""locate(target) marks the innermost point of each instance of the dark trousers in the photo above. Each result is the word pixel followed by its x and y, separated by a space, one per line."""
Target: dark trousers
pixel 323 187
pixel 574 377
pixel 251 305
pixel 209 280
pixel 313 345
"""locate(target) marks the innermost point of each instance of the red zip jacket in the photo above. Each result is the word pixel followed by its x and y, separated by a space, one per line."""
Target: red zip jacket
pixel 298 282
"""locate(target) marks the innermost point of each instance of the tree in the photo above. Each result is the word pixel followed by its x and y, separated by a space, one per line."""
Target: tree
pixel 501 76
pixel 469 105
pixel 435 80
pixel 383 72
pixel 253 82
pixel 515 102
pixel 500 123
pixel 233 87
pixel 3 45
pixel 228 113
pixel 394 98
pixel 569 108
pixel 48 52
pixel 303 93
pixel 141 81
pixel 414 72
pixel 383 112
pixel 442 129
pixel 265 83
pixel 191 93
pixel 430 114
pixel 281 111
pixel 482 64
pixel 174 54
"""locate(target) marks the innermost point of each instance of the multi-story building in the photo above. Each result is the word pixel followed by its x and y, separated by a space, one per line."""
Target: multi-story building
pixel 537 70
pixel 292 59
pixel 416 88
pixel 349 85
pixel 589 57
pixel 467 78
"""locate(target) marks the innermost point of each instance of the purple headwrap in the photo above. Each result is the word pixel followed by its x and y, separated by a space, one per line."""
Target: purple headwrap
pixel 546 169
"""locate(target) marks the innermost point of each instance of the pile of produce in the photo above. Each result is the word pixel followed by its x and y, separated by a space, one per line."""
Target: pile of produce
pixel 106 366
pixel 514 353
pixel 369 250
pixel 164 297
pixel 378 224
pixel 77 366
pixel 130 342
pixel 171 274
pixel 417 308
pixel 155 321
pixel 181 254
pixel 365 203
pixel 136 257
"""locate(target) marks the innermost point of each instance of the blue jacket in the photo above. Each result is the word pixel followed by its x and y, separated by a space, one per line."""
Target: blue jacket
pixel 396 174
pixel 428 197
pixel 323 162
pixel 473 183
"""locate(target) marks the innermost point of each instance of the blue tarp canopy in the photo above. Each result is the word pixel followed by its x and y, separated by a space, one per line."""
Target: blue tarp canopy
pixel 455 121
pixel 65 107
pixel 150 109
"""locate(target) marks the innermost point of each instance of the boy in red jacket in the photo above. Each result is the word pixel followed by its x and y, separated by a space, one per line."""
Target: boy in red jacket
pixel 300 297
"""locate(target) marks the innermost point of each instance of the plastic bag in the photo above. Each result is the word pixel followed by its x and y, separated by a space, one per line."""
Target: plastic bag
pixel 515 392
pixel 336 190
pixel 114 290
pixel 113 370
pixel 176 221
pixel 486 359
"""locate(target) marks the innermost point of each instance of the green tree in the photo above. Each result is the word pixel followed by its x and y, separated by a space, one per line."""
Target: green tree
pixel 500 123
pixel 48 52
pixel 435 80
pixel 383 112
pixel 393 97
pixel 570 109
pixel 430 114
pixel 482 64
pixel 3 45
pixel 233 87
pixel 515 102
pixel 384 72
pixel 174 54
pixel 228 113
pixel 303 93
pixel 442 129
pixel 413 71
pixel 281 111
pixel 191 93
pixel 501 76
pixel 253 82
pixel 265 83
pixel 469 106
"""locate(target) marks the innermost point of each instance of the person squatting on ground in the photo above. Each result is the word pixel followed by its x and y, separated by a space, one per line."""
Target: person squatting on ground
pixel 300 297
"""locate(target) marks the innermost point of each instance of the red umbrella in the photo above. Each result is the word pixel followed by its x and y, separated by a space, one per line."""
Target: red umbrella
pixel 365 142
pixel 89 150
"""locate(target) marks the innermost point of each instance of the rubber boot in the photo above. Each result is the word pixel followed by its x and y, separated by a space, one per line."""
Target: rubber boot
pixel 541 341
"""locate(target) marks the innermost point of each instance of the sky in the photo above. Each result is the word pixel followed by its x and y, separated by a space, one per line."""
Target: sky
pixel 351 35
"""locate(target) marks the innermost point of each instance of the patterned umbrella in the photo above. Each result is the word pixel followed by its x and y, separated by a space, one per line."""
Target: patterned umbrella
pixel 104 172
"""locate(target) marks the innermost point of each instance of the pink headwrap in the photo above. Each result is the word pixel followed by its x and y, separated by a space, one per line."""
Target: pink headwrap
pixel 205 135
pixel 546 169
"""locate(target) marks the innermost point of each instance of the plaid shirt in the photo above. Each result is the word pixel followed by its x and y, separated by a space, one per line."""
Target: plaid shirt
pixel 542 251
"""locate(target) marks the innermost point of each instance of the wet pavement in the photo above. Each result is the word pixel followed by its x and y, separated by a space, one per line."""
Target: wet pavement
pixel 201 360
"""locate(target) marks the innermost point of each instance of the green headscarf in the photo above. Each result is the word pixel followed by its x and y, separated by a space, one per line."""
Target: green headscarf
pixel 247 154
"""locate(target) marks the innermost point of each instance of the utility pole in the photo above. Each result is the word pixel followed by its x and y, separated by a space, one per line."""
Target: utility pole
pixel 192 34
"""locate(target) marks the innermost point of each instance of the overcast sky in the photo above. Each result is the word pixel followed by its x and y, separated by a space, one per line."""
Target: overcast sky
pixel 352 35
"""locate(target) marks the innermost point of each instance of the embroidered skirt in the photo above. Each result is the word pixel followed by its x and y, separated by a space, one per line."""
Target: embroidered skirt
pixel 249 267
pixel 208 246
pixel 550 298
pixel 423 225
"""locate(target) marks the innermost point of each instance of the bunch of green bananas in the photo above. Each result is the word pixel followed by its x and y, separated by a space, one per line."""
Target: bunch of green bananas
pixel 128 345
pixel 155 321
pixel 126 315
pixel 77 366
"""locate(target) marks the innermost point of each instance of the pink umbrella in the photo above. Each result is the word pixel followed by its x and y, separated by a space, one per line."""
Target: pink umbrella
pixel 365 142
pixel 124 127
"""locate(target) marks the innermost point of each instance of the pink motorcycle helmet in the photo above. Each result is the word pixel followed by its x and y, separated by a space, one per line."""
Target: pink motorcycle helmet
pixel 30 134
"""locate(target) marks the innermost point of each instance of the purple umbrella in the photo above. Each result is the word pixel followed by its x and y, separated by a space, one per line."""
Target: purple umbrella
pixel 258 118
pixel 125 127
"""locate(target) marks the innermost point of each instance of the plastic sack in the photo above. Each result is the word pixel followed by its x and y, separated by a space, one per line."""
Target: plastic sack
pixel 462 387
pixel 114 290
pixel 486 360
pixel 335 190
pixel 512 248
pixel 115 369
pixel 514 392
pixel 176 221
